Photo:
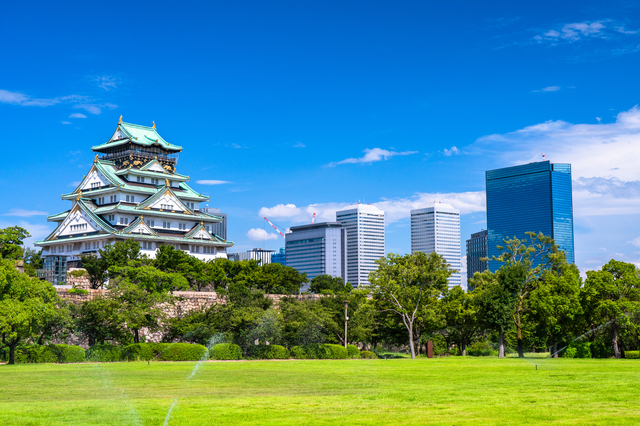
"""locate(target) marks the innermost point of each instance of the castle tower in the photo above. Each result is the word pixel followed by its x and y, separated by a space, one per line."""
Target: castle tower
pixel 132 191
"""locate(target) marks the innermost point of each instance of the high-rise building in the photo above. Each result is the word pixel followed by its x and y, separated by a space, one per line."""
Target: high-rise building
pixel 279 257
pixel 317 249
pixel 219 228
pixel 261 255
pixel 365 240
pixel 534 197
pixel 476 251
pixel 437 229
pixel 132 191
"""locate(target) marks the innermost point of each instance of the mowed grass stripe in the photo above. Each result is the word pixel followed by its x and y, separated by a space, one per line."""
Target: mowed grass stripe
pixel 450 391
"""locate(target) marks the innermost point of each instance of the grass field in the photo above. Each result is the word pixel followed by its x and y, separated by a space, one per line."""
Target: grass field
pixel 451 391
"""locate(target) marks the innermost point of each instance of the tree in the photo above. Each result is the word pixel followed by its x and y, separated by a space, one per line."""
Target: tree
pixel 611 296
pixel 11 240
pixel 461 311
pixel 33 260
pixel 26 304
pixel 275 278
pixel 496 304
pixel 407 285
pixel 328 284
pixel 524 262
pixel 100 320
pixel 117 254
pixel 555 304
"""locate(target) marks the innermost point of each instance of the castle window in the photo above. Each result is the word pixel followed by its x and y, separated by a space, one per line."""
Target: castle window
pixel 150 222
pixel 124 221
pixel 182 226
pixel 95 185
pixel 155 181
pixel 140 179
pixel 166 206
pixel 166 225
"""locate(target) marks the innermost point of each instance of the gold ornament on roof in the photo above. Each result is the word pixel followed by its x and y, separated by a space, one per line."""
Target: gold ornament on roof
pixel 154 124
pixel 120 121
pixel 79 195
pixel 95 158
pixel 166 182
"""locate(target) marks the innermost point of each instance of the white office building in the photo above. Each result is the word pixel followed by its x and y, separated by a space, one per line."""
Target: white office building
pixel 317 249
pixel 365 240
pixel 437 228
pixel 261 255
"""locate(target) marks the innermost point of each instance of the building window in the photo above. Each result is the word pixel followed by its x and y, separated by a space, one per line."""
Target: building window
pixel 131 199
pixel 124 221
pixel 166 225
pixel 166 206
pixel 150 222
pixel 154 181
pixel 95 185
pixel 140 179
pixel 147 245
pixel 80 227
pixel 111 218
pixel 182 226
pixel 195 249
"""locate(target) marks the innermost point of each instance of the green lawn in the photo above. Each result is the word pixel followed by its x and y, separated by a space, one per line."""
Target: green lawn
pixel 452 391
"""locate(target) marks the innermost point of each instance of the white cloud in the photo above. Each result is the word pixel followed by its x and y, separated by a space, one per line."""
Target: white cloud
pixel 258 234
pixel 106 82
pixel 635 241
pixel 548 89
pixel 77 115
pixel 453 151
pixel 373 155
pixel 574 32
pixel 212 182
pixel 395 209
pixel 299 145
pixel 25 213
pixel 66 122
pixel 95 108
pixel 16 98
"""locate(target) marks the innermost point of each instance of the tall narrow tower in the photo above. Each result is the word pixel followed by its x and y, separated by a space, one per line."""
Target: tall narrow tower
pixel 365 240
pixel 437 228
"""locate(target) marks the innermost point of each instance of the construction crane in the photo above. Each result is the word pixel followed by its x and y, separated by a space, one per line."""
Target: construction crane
pixel 276 228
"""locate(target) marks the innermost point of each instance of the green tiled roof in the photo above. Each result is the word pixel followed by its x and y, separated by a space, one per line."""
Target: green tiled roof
pixel 57 217
pixel 137 211
pixel 150 173
pixel 140 135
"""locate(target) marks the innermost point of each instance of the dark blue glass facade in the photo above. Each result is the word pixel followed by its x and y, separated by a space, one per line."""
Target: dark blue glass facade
pixel 533 197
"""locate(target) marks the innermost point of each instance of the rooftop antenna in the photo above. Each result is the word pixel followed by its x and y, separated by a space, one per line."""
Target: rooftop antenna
pixel 543 156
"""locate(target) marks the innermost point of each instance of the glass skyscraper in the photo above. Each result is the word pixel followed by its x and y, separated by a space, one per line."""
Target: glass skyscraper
pixel 532 197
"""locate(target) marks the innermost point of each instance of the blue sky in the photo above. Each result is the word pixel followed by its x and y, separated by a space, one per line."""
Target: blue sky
pixel 419 98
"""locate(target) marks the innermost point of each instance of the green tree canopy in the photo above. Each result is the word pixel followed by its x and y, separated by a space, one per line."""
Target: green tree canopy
pixel 11 241
pixel 408 286
pixel 328 284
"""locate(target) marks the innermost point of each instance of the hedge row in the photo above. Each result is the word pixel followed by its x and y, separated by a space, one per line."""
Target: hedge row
pixel 268 352
pixel 324 351
pixel 225 351
pixel 164 352
pixel 632 354
pixel 36 354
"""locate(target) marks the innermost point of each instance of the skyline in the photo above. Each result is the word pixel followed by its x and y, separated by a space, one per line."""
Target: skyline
pixel 299 108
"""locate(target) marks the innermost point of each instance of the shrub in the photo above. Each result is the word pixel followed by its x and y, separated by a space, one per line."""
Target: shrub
pixel 316 351
pixel 35 354
pixel 632 354
pixel 570 352
pixel 78 291
pixel 138 352
pixel 298 352
pixel 368 354
pixel 68 353
pixel 337 351
pixel 601 350
pixel 79 273
pixel 182 352
pixel 225 351
pixel 353 351
pixel 479 349
pixel 577 350
pixel 104 353
pixel 268 352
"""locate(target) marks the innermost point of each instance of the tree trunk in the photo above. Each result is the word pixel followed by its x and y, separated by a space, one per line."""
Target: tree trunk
pixel 555 349
pixel 411 345
pixel 464 349
pixel 136 335
pixel 501 345
pixel 12 354
pixel 520 346
pixel 616 351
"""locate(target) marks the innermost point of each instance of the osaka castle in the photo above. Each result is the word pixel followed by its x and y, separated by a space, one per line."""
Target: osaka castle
pixel 132 191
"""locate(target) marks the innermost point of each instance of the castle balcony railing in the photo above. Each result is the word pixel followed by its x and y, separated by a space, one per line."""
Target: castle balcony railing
pixel 170 158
